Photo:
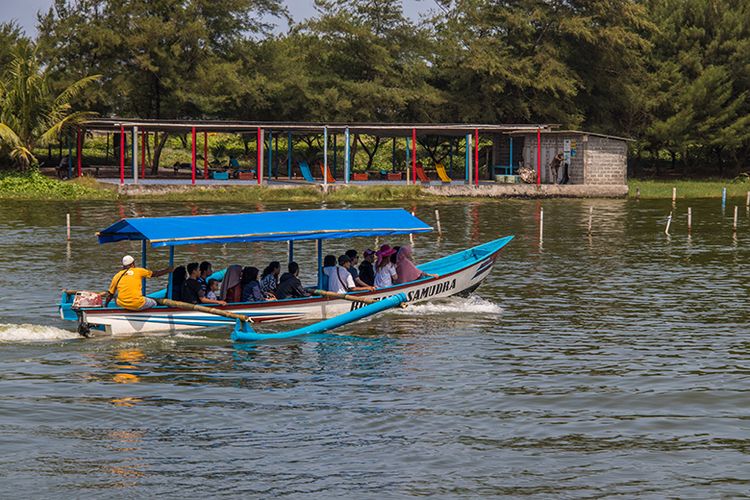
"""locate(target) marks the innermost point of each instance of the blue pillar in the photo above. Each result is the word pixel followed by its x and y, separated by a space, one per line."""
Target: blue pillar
pixel 144 263
pixel 408 159
pixel 468 156
pixel 289 154
pixel 347 154
pixel 320 263
pixel 169 281
pixel 270 154
pixel 335 154
pixel 291 250
pixel 511 156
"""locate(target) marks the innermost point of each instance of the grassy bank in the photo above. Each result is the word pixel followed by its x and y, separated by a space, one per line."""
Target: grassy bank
pixel 708 188
pixel 35 186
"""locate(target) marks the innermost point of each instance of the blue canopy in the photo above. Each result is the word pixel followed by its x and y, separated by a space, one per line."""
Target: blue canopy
pixel 264 226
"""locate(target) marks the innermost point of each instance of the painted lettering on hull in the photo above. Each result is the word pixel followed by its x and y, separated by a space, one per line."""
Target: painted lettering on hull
pixel 418 294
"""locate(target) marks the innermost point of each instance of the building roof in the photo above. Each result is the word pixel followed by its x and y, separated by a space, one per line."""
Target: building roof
pixel 378 129
pixel 573 132
pixel 264 226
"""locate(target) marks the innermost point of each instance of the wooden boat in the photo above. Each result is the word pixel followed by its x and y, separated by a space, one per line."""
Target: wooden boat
pixel 457 274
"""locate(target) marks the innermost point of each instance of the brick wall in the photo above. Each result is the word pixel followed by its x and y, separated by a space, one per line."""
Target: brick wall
pixel 605 161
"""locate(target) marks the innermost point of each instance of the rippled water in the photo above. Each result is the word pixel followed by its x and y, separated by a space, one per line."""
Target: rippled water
pixel 587 366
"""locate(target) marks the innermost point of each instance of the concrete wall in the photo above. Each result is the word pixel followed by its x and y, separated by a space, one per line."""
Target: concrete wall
pixel 597 160
pixel 605 161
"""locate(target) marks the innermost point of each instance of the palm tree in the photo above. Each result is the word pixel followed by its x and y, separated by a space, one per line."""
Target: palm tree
pixel 30 115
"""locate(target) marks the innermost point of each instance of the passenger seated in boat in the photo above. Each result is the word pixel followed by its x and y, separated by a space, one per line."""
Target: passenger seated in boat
pixel 269 280
pixel 206 271
pixel 179 275
pixel 192 292
pixel 340 279
pixel 329 262
pixel 213 289
pixel 231 285
pixel 366 269
pixel 251 286
pixel 386 270
pixel 127 286
pixel 405 268
pixel 290 286
pixel 354 258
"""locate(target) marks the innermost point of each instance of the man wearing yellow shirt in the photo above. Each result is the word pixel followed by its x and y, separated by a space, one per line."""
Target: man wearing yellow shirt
pixel 126 284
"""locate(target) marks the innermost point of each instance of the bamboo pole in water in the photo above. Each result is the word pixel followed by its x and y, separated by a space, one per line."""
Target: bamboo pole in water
pixel 734 222
pixel 669 223
pixel 541 224
pixel 437 218
pixel 67 223
pixel 591 216
pixel 690 220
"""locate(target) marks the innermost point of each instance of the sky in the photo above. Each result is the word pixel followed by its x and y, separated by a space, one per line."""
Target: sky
pixel 24 11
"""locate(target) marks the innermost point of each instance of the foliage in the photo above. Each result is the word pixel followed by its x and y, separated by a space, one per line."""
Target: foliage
pixel 30 113
pixel 32 185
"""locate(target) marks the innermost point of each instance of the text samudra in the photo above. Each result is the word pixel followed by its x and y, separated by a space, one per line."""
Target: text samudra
pixel 419 293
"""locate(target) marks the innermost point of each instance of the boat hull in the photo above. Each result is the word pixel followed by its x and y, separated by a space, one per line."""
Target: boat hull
pixel 457 274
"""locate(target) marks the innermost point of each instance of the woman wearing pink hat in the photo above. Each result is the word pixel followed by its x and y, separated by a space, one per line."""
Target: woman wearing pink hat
pixel 385 271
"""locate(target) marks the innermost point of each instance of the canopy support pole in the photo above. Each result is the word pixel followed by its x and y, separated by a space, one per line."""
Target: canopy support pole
pixel 320 263
pixel 476 157
pixel 347 154
pixel 335 154
pixel 205 155
pixel 325 156
pixel 290 251
pixel 467 160
pixel 259 156
pixel 143 154
pixel 79 149
pixel 538 157
pixel 414 155
pixel 193 161
pixel 122 154
pixel 289 151
pixel 134 152
pixel 144 262
pixel 270 155
pixel 169 279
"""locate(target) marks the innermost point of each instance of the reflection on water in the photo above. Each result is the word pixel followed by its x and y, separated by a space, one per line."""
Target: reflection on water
pixel 603 363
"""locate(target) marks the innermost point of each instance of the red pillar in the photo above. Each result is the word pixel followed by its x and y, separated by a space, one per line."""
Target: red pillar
pixel 414 155
pixel 122 154
pixel 205 155
pixel 258 168
pixel 79 150
pixel 143 155
pixel 538 157
pixel 193 160
pixel 476 156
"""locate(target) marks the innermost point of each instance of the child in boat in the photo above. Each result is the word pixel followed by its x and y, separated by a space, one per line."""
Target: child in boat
pixel 405 268
pixel 213 289
pixel 251 286
pixel 269 280
pixel 385 273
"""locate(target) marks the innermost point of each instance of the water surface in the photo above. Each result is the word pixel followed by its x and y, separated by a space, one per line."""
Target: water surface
pixel 615 363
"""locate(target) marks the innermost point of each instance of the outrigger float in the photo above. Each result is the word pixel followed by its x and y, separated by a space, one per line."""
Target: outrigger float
pixel 457 274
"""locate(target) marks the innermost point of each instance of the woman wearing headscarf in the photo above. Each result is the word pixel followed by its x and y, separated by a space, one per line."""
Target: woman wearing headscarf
pixel 405 269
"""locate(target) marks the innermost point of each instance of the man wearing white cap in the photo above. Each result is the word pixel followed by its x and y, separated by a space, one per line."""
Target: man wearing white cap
pixel 127 285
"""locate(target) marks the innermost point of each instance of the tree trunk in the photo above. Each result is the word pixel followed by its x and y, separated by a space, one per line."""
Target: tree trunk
pixel 157 150
pixel 370 155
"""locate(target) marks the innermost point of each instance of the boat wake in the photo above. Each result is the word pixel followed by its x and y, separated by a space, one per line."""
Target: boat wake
pixel 33 333
pixel 457 305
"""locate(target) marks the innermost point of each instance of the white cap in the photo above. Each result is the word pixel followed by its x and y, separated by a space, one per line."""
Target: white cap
pixel 127 260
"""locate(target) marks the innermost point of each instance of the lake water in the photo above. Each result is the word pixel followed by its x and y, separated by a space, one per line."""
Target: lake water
pixel 615 364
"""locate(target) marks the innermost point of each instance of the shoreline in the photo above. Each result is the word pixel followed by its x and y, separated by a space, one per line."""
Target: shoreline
pixel 34 186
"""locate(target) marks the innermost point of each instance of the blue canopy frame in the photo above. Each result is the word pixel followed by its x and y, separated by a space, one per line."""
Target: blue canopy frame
pixel 289 226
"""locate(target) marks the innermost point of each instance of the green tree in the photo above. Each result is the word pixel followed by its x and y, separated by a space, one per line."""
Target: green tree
pixel 10 36
pixel 30 113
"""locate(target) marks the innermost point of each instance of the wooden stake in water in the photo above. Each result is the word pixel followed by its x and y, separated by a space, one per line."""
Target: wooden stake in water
pixel 437 218
pixel 637 193
pixel 591 217
pixel 674 195
pixel 541 224
pixel 690 219
pixel 747 202
pixel 734 223
pixel 669 223
pixel 67 223
pixel 723 197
